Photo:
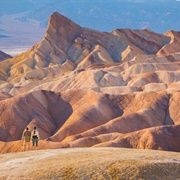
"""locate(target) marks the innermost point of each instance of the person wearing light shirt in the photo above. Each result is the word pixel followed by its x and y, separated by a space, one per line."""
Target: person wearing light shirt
pixel 35 137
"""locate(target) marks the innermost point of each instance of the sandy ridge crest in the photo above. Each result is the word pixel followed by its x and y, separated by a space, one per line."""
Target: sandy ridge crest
pixel 91 163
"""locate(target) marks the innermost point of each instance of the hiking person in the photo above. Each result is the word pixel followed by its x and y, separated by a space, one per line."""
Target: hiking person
pixel 27 138
pixel 35 137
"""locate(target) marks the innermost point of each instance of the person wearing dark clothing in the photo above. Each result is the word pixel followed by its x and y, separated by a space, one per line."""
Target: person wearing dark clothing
pixel 27 139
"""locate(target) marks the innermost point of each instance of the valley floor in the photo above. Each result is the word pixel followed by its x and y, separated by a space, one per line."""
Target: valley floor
pixel 91 163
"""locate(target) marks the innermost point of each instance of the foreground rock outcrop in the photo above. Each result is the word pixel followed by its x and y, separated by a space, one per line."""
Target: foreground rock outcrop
pixel 94 163
pixel 85 88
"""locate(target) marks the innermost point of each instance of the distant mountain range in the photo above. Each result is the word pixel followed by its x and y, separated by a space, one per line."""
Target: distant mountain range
pixel 26 23
pixel 4 56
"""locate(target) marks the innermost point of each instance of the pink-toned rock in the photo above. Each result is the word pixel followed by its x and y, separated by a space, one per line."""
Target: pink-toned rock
pixel 86 88
pixel 158 138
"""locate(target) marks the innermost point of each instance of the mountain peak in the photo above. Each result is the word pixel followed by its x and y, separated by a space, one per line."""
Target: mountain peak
pixel 61 26
pixel 172 33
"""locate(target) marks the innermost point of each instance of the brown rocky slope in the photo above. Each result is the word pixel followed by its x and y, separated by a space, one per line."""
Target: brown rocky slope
pixel 85 88
pixel 87 118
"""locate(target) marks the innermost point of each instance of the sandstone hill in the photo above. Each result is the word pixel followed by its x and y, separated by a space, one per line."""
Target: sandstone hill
pixel 85 88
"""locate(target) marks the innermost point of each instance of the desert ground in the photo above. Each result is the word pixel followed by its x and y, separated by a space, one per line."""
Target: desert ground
pixel 91 164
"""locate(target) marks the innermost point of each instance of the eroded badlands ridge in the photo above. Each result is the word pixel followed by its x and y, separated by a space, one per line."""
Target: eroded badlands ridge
pixel 85 88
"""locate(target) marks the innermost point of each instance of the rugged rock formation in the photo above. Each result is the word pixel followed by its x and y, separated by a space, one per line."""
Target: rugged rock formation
pixel 85 88
pixel 87 118
pixel 67 46
pixel 173 46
